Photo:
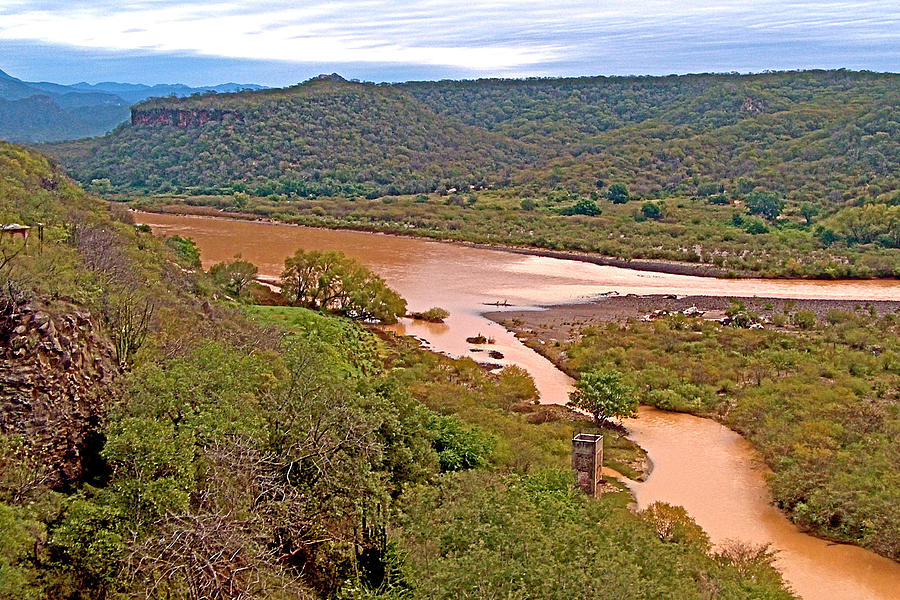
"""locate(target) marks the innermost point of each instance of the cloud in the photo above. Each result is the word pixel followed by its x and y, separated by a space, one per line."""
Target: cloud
pixel 498 37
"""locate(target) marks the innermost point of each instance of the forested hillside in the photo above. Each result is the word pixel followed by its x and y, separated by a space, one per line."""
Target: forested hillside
pixel 779 174
pixel 163 437
pixel 811 136
pixel 326 137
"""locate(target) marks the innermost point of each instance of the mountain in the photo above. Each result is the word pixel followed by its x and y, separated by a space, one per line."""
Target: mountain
pixel 134 93
pixel 821 137
pixel 44 112
pixel 326 136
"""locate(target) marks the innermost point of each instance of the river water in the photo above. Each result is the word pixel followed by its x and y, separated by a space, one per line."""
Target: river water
pixel 699 464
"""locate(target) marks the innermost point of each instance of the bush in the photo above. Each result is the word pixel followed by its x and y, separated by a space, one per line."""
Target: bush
pixel 804 319
pixel 673 524
pixel 766 204
pixel 459 447
pixel 651 210
pixel 186 250
pixel 434 314
pixel 618 193
pixel 528 204
pixel 584 206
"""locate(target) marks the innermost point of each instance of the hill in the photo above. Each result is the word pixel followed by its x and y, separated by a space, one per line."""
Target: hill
pixel 324 137
pixel 36 112
pixel 819 136
pixel 778 174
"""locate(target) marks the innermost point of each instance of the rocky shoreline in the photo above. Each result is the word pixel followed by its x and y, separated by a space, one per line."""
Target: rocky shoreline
pixel 558 319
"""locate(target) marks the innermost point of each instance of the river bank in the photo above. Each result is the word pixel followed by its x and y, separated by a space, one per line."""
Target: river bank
pixel 637 264
pixel 557 322
pixel 772 385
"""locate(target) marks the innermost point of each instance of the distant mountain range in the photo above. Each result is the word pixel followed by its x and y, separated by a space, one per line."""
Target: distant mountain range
pixel 33 112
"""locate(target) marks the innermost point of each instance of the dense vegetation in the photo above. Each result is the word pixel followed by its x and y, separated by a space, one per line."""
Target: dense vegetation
pixel 334 281
pixel 276 452
pixel 818 397
pixel 783 174
pixel 325 137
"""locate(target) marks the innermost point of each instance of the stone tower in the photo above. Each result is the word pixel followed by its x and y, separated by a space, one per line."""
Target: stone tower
pixel 587 460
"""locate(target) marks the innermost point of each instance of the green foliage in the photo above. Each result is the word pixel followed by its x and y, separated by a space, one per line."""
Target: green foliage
pixel 152 465
pixel 334 281
pixel 22 534
pixel 867 224
pixel 618 193
pixel 584 206
pixel 435 314
pixel 186 250
pixel 809 212
pixel 352 139
pixel 673 524
pixel 766 204
pixel 234 276
pixel 818 400
pixel 824 139
pixel 603 395
pixel 651 210
pixel 533 536
pixel 278 447
pixel 89 543
pixel 458 446
pixel 804 319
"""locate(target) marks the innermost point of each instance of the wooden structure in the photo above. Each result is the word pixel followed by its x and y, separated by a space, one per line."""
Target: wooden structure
pixel 587 460
pixel 14 229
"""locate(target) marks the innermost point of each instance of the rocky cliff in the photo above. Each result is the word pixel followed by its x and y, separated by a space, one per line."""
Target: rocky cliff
pixel 55 369
pixel 181 117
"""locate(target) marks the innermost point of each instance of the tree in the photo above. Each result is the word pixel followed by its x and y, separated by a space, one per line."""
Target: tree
pixel 651 210
pixel 809 211
pixel 767 204
pixel 185 249
pixel 618 193
pixel 333 281
pixel 234 276
pixel 584 206
pixel 604 395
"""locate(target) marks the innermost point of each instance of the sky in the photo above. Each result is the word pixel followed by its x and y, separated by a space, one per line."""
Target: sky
pixel 276 42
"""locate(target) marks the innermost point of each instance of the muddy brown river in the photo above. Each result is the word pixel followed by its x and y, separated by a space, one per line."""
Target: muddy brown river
pixel 698 464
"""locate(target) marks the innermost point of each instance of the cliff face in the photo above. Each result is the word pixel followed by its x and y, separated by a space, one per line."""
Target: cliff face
pixel 55 367
pixel 181 118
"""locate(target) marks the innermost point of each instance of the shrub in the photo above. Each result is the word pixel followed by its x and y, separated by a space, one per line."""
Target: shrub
pixel 651 210
pixel 804 319
pixel 618 193
pixel 434 314
pixel 459 447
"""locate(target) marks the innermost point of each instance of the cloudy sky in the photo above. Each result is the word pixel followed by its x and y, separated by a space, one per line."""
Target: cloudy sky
pixel 276 42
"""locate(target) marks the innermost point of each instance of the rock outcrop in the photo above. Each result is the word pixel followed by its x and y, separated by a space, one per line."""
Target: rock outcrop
pixel 55 369
pixel 171 117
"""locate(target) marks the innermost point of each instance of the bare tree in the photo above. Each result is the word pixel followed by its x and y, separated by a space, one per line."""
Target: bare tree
pixel 229 547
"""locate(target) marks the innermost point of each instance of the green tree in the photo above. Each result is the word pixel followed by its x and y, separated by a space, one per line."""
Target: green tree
pixel 809 211
pixel 333 281
pixel 604 395
pixel 766 204
pixel 651 210
pixel 234 276
pixel 618 193
pixel 584 206
pixel 185 249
